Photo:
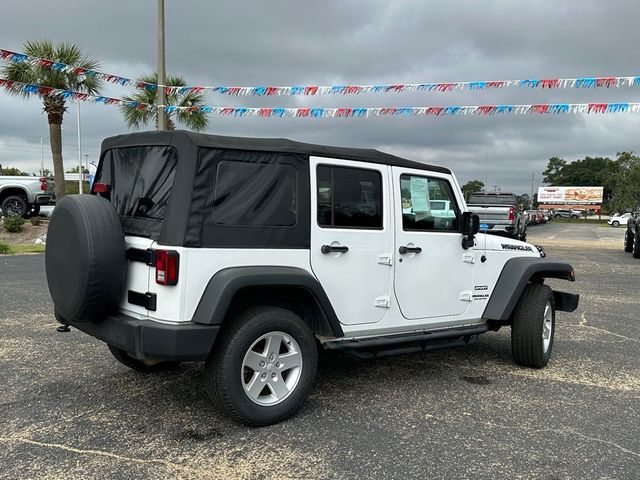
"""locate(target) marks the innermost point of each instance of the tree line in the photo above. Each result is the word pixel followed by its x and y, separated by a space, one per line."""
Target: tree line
pixel 620 178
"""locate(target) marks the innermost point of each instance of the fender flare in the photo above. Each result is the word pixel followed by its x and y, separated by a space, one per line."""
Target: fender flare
pixel 516 274
pixel 219 292
pixel 16 186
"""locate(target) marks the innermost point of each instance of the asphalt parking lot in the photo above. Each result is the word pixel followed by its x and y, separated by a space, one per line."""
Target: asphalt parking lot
pixel 69 410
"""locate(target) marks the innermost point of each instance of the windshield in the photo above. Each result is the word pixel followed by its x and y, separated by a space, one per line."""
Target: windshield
pixel 139 180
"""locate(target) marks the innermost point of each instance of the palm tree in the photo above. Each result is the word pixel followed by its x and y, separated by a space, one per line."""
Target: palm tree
pixel 54 106
pixel 136 118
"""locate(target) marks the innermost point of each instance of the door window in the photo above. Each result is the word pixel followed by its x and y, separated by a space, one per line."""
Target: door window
pixel 428 204
pixel 349 198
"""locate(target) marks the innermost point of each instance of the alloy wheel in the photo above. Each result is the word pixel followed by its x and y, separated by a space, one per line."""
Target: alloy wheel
pixel 271 368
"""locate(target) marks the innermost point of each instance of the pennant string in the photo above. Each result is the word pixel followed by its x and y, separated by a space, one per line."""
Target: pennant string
pixel 312 90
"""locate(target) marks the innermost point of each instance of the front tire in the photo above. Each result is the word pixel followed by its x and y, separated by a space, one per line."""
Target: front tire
pixel 635 247
pixel 533 327
pixel 140 365
pixel 263 366
pixel 615 224
pixel 628 241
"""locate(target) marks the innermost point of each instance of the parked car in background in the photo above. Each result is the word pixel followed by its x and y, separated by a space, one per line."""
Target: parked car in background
pixel 23 196
pixel 618 220
pixel 531 216
pixel 542 218
pixel 566 213
pixel 499 214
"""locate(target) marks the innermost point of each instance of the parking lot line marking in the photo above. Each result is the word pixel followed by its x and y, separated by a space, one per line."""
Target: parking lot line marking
pixel 102 453
pixel 583 324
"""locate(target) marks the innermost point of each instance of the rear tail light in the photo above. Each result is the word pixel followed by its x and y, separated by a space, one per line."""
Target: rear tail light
pixel 101 188
pixel 512 214
pixel 43 184
pixel 166 263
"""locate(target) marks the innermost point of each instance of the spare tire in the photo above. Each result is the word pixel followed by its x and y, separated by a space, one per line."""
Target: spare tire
pixel 85 258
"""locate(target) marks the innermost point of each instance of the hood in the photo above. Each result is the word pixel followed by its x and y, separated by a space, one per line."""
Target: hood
pixel 505 244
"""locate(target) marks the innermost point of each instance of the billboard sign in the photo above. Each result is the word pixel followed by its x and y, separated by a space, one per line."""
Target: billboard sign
pixel 571 195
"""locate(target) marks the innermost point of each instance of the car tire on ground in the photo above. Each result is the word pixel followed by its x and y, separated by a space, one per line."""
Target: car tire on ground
pixel 263 366
pixel 533 327
pixel 615 224
pixel 628 241
pixel 575 216
pixel 14 206
pixel 140 365
pixel 635 248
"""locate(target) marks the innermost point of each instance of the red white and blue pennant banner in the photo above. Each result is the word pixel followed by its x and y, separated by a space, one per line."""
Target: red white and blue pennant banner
pixel 447 110
pixel 312 90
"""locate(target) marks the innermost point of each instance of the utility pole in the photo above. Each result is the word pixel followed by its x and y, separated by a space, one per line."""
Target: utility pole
pixel 161 97
pixel 533 176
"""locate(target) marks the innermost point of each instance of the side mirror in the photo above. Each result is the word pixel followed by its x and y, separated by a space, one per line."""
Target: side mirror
pixel 470 223
pixel 470 227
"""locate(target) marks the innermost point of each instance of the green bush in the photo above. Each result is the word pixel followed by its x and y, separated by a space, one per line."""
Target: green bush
pixel 71 187
pixel 4 249
pixel 13 224
pixel 35 221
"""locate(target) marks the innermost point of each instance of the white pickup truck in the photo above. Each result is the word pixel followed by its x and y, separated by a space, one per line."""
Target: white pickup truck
pixel 499 214
pixel 23 196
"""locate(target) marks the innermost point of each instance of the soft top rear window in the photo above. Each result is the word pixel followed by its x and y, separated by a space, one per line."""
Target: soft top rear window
pixel 139 179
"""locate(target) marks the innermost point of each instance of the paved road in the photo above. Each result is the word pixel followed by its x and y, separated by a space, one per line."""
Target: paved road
pixel 70 411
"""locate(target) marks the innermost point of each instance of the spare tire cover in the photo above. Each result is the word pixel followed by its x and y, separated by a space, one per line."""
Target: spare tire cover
pixel 85 258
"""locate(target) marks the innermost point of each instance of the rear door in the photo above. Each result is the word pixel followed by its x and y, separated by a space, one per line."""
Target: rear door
pixel 433 273
pixel 138 272
pixel 351 237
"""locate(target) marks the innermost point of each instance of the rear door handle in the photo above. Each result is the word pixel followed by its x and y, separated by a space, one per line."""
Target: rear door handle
pixel 334 248
pixel 404 249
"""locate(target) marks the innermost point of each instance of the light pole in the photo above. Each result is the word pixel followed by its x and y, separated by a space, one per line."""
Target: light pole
pixel 42 139
pixel 79 152
pixel 161 97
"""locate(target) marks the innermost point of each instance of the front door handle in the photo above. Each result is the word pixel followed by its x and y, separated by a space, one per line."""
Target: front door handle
pixel 404 249
pixel 334 248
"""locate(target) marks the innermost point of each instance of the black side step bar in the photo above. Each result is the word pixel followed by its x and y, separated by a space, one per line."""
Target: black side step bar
pixel 416 342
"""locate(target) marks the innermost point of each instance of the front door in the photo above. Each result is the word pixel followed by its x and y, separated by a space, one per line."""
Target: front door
pixel 351 237
pixel 434 273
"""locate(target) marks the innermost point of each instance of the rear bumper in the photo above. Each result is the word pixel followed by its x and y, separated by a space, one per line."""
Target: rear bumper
pixel 146 339
pixel 44 199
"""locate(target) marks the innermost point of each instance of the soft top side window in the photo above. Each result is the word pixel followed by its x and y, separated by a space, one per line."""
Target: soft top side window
pixel 255 194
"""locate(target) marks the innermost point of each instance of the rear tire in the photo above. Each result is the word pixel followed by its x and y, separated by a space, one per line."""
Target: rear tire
pixel 139 365
pixel 14 206
pixel 615 224
pixel 533 327
pixel 254 381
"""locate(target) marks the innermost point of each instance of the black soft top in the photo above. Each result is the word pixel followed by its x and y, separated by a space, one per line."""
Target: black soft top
pixel 182 138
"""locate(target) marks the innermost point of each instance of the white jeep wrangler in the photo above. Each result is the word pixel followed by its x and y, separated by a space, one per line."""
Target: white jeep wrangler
pixel 252 254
